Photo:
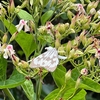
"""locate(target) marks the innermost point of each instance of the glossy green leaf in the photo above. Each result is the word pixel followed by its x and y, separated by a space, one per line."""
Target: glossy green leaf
pixel 46 16
pixel 26 41
pixel 3 67
pixel 28 89
pixel 15 79
pixel 25 15
pixel 59 75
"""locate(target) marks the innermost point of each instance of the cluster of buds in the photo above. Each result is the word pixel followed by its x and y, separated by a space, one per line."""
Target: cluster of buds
pixel 48 28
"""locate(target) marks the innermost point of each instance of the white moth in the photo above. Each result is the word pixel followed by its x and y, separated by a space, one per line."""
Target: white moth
pixel 48 60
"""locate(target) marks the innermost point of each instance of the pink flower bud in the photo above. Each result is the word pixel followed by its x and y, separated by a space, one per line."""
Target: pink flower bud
pixel 84 71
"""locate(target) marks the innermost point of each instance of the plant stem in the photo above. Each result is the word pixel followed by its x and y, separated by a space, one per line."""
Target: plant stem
pixel 8 93
pixel 38 88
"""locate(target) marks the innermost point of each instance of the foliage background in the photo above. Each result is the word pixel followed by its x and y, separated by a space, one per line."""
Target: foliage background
pixel 49 85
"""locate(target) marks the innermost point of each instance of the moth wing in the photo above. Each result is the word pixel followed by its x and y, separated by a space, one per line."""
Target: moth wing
pixel 48 60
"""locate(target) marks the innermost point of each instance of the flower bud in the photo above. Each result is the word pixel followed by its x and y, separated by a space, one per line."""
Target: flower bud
pixel 13 36
pixel 23 64
pixel 84 71
pixel 92 61
pixel 61 50
pixel 42 29
pixel 69 14
pixel 66 25
pixel 96 4
pixel 24 4
pixel 57 43
pixel 92 11
pixel 68 47
pixel 4 39
pixel 92 5
pixel 57 35
pixel 11 6
pixel 71 53
pixel 82 35
pixel 15 59
pixel 32 25
pixel 61 28
pixel 77 83
pixel 67 75
pixel 88 1
pixel 3 47
pixel 72 25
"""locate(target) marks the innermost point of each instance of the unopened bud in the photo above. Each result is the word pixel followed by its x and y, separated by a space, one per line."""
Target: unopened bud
pixel 4 39
pixel 13 36
pixel 15 59
pixel 84 71
pixel 11 6
pixel 66 25
pixel 68 47
pixel 67 75
pixel 42 29
pixel 57 35
pixel 3 47
pixel 61 50
pixel 96 4
pixel 69 14
pixel 31 24
pixel 92 11
pixel 61 28
pixel 82 35
pixel 23 64
pixel 57 43
pixel 24 4
pixel 72 25
pixel 77 83
pixel 92 61
pixel 92 5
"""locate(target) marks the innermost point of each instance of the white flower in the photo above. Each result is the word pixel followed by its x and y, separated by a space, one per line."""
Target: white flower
pixel 84 71
pixel 8 51
pixel 22 24
pixel 80 8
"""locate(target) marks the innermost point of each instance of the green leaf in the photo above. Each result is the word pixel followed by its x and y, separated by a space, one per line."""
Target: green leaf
pixel 52 95
pixel 89 84
pixel 46 16
pixel 25 15
pixel 3 67
pixel 45 2
pixel 28 89
pixel 80 95
pixel 69 94
pixel 86 82
pixel 26 41
pixel 59 75
pixel 15 79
